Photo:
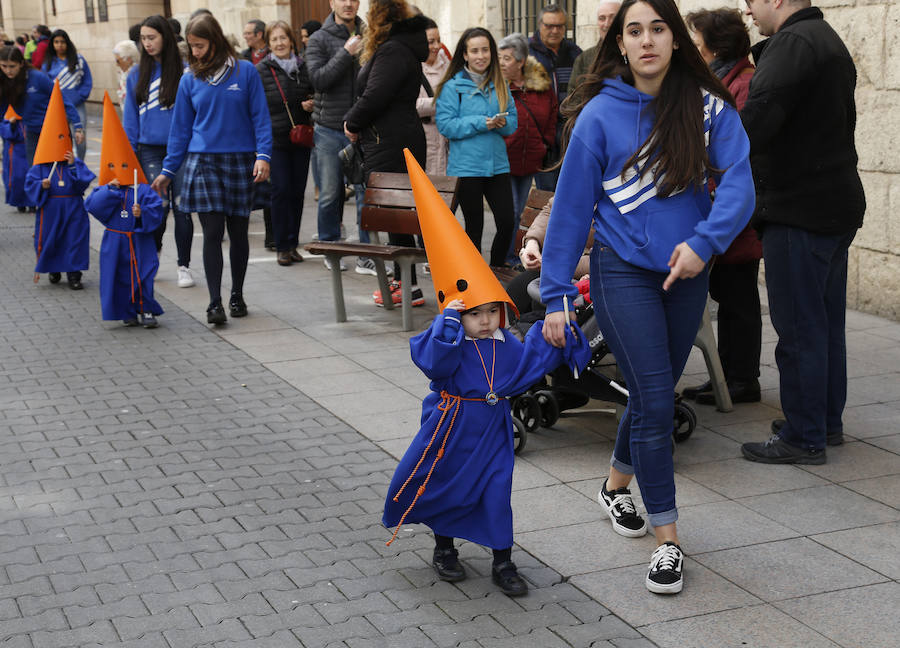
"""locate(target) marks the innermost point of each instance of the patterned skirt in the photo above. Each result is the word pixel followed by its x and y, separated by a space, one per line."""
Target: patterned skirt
pixel 219 182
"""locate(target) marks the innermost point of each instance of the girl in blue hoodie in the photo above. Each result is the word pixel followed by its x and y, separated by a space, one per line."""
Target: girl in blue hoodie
pixel 645 131
pixel 474 110
pixel 222 133
pixel 150 92
pixel 66 64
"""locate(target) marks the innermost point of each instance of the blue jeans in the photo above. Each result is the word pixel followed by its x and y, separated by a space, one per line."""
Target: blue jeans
pixel 289 169
pixel 521 187
pixel 650 332
pixel 151 159
pixel 806 278
pixel 329 143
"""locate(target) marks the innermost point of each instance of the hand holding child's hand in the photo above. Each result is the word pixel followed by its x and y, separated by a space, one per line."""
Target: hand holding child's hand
pixel 45 183
pixel 69 157
pixel 136 210
pixel 457 304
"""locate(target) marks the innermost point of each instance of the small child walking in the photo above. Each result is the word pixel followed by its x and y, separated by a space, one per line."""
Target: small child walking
pixel 456 475
pixel 128 259
pixel 14 164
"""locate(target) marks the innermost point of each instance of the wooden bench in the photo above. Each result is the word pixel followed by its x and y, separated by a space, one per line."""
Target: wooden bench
pixel 537 199
pixel 388 207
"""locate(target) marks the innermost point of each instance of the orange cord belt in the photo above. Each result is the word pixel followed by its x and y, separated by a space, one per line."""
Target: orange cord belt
pixel 134 270
pixel 447 401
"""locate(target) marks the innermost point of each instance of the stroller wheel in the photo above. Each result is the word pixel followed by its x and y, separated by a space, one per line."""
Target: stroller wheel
pixel 546 399
pixel 520 435
pixel 526 408
pixel 684 423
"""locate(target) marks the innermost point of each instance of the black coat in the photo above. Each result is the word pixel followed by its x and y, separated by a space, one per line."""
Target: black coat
pixel 800 117
pixel 296 88
pixel 332 71
pixel 385 114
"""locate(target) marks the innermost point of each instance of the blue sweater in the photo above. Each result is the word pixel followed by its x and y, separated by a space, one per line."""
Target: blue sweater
pixel 38 87
pixel 226 113
pixel 627 214
pixel 460 114
pixel 76 86
pixel 148 123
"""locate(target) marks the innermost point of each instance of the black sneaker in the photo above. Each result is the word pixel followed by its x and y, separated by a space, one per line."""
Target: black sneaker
pixel 831 438
pixel 620 509
pixel 131 321
pixel 215 314
pixel 664 575
pixel 148 320
pixel 237 306
pixel 778 451
pixel 55 277
pixel 692 392
pixel 506 577
pixel 446 564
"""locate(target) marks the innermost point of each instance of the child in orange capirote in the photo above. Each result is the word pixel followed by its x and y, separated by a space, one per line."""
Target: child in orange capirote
pixel 456 475
pixel 55 185
pixel 14 164
pixel 131 212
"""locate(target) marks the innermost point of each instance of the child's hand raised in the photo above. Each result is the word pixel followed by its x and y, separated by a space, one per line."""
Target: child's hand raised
pixel 136 210
pixel 115 183
pixel 457 304
pixel 45 183
pixel 69 157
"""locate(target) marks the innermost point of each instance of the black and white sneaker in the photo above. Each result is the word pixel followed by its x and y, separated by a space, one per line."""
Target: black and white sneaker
pixel 620 509
pixel 664 575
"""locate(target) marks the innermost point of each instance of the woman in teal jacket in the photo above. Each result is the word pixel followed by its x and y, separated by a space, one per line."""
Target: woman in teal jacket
pixel 474 117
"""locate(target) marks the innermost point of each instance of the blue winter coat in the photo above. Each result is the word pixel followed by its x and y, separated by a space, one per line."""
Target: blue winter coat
pixel 14 163
pixel 128 260
pixel 460 113
pixel 468 493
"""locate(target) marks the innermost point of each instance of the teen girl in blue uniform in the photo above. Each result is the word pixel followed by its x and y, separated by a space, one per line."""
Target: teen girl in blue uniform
pixel 150 92
pixel 222 133
pixel 69 67
pixel 646 129
pixel 28 91
pixel 474 110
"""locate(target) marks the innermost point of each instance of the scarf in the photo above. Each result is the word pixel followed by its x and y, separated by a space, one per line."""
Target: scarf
pixel 289 64
pixel 721 67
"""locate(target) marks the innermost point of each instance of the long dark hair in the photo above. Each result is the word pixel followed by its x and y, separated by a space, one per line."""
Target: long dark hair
pixel 71 52
pixel 12 91
pixel 205 26
pixel 676 142
pixel 493 73
pixel 170 65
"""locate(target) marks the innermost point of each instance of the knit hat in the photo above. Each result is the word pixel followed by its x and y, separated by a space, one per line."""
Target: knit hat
pixel 117 158
pixel 55 140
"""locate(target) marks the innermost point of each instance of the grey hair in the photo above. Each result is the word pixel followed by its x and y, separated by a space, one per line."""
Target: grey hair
pixel 126 49
pixel 517 43
pixel 554 9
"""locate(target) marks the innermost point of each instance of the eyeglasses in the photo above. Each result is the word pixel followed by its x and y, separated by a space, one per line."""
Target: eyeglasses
pixel 554 27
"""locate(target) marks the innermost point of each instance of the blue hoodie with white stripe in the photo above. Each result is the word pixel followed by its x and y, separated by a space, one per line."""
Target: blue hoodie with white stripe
pixel 148 123
pixel 626 212
pixel 76 85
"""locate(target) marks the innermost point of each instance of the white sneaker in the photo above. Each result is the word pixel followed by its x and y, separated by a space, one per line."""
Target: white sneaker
pixel 328 264
pixel 621 511
pixel 665 573
pixel 185 280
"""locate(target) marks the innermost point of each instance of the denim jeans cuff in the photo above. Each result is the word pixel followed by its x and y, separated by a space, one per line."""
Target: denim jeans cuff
pixel 660 519
pixel 623 468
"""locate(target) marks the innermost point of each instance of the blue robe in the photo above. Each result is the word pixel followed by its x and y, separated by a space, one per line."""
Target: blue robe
pixel 14 164
pixel 468 494
pixel 61 226
pixel 128 260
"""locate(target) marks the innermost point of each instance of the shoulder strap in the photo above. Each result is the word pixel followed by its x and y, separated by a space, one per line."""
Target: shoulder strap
pixel 425 84
pixel 534 119
pixel 283 98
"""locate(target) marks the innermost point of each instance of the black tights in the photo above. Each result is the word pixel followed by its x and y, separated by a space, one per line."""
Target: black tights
pixel 445 542
pixel 497 190
pixel 214 224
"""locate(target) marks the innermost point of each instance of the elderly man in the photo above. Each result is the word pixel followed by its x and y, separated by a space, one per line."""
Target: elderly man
pixel 800 118
pixel 255 36
pixel 605 14
pixel 556 53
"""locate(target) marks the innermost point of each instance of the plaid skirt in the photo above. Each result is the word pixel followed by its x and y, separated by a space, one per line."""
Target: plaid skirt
pixel 219 182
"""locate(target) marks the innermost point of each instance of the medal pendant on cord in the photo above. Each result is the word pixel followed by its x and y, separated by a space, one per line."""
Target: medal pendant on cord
pixel 59 174
pixel 491 397
pixel 124 212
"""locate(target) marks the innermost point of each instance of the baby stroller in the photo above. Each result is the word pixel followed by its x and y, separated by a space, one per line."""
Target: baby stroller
pixel 542 405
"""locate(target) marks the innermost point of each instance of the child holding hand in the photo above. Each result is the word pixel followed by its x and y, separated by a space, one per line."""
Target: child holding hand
pixel 456 476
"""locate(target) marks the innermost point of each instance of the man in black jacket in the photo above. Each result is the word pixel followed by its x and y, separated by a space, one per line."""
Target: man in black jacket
pixel 332 59
pixel 800 118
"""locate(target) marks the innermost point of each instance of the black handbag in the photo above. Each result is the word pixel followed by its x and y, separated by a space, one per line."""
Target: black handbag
pixel 353 163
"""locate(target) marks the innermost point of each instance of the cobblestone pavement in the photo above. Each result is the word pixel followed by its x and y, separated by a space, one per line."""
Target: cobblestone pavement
pixel 162 488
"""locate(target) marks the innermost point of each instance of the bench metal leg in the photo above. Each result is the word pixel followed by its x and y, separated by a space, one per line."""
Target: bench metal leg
pixel 383 284
pixel 406 292
pixel 337 287
pixel 706 342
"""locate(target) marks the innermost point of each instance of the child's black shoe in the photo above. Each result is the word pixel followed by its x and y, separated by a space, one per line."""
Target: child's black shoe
pixel 55 277
pixel 131 321
pixel 506 577
pixel 237 306
pixel 446 564
pixel 149 320
pixel 215 314
pixel 74 279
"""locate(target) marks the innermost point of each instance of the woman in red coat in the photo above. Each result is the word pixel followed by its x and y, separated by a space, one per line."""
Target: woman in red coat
pixel 724 44
pixel 537 107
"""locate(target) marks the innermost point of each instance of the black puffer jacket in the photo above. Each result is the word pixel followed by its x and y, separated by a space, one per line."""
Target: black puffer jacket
pixel 800 117
pixel 332 71
pixel 297 89
pixel 385 114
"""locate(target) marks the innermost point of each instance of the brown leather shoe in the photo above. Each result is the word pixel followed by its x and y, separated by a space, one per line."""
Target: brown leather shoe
pixel 296 257
pixel 284 259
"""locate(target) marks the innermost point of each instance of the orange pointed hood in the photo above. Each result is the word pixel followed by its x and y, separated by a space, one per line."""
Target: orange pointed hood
pixel 457 268
pixel 117 158
pixel 11 114
pixel 55 139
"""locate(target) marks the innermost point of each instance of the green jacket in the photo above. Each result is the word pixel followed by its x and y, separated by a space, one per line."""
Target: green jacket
pixel 583 63
pixel 30 46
